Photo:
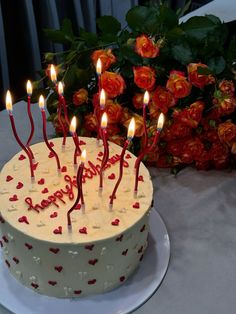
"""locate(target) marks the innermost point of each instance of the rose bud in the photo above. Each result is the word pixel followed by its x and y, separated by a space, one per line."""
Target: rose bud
pixel 145 47
pixel 112 83
pixel 178 85
pixel 144 77
pixel 196 79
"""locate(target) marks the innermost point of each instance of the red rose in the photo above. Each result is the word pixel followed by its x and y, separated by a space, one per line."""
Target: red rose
pixel 227 87
pixel 90 123
pixel 227 106
pixel 163 99
pixel 203 161
pixel 139 125
pixel 192 150
pixel 144 77
pixel 175 147
pixel 80 97
pixel 211 135
pixel 220 155
pixel 178 85
pixel 190 116
pixel 106 56
pixel 112 83
pixel 138 101
pixel 199 80
pixel 167 161
pixel 176 131
pixel 114 111
pixel 145 47
pixel 227 133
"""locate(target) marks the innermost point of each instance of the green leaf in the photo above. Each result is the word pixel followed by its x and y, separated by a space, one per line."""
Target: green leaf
pixel 129 54
pixel 198 27
pixel 181 11
pixel 67 29
pixel 90 38
pixel 56 36
pixel 141 18
pixel 231 53
pixel 107 39
pixel 217 64
pixel 204 71
pixel 182 52
pixel 108 25
pixel 167 17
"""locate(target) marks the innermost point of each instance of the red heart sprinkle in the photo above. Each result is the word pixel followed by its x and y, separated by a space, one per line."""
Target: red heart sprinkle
pixel 122 278
pixel 93 261
pixel 9 178
pixel 5 239
pixel 22 157
pixel 52 283
pixel 100 154
pixel 8 264
pixel 51 154
pixel 41 181
pixel 120 238
pixel 140 178
pixel 23 219
pixel 112 176
pixel 128 156
pixel 51 144
pixel 34 285
pixel 53 215
pixel 115 222
pixel 29 246
pixel 13 198
pixel 143 228
pixel 136 205
pixel 19 185
pixel 58 268
pixel 45 190
pixel 15 259
pixel 58 230
pixel 83 230
pixel 55 251
pixel 89 247
pixel 82 142
pixel 92 282
pixel 125 252
pixel 63 169
pixel 35 166
pixel 77 291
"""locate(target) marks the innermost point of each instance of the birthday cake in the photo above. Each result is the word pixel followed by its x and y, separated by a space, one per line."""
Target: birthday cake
pixel 102 248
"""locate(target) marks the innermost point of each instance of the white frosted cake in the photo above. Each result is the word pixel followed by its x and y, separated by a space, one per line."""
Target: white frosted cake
pixel 104 246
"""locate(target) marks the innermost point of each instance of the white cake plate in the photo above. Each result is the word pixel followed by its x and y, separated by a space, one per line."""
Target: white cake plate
pixel 125 299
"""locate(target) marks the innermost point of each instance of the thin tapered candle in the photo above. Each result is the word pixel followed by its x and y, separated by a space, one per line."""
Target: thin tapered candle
pixel 145 103
pixel 131 131
pixel 148 149
pixel 29 93
pixel 42 108
pixel 63 101
pixel 106 148
pixel 9 109
pixel 79 187
pixel 75 139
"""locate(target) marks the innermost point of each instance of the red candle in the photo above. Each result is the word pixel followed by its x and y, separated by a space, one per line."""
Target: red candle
pixel 63 101
pixel 79 187
pixel 101 96
pixel 9 109
pixel 145 103
pixel 148 149
pixel 131 131
pixel 29 92
pixel 106 148
pixel 75 139
pixel 42 108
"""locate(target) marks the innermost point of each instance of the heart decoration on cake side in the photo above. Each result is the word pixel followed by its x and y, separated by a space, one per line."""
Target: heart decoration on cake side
pixel 51 144
pixel 140 178
pixel 128 156
pixel 143 228
pixel 93 261
pixel 52 283
pixel 120 238
pixel 77 292
pixel 19 185
pixel 115 222
pixel 45 190
pixel 136 205
pixel 112 176
pixel 54 250
pixel 83 230
pixel 8 264
pixel 51 155
pixel 140 250
pixel 5 239
pixel 34 285
pixel 58 230
pixel 9 178
pixel 15 259
pixel 58 268
pixel 41 181
pixel 122 278
pixel 29 246
pixel 100 154
pixel 92 282
pixel 23 219
pixel 89 247
pixel 63 169
pixel 125 252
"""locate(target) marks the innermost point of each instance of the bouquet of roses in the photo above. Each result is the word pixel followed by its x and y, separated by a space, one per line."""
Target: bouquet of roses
pixel 188 69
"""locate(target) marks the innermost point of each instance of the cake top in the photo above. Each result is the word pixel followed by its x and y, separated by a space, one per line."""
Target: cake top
pixel 40 210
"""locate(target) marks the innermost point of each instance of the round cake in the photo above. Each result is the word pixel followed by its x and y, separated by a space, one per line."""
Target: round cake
pixel 103 247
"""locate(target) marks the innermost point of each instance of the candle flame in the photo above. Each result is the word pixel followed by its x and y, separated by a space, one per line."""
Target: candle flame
pixel 160 122
pixel 102 98
pixel 41 102
pixel 8 101
pixel 53 73
pixel 146 98
pixel 60 88
pixel 131 129
pixel 29 88
pixel 99 67
pixel 73 125
pixel 83 156
pixel 104 120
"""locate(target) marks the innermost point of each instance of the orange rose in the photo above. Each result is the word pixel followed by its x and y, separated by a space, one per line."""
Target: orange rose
pixel 226 106
pixel 145 47
pixel 178 85
pixel 58 127
pixel 144 77
pixel 199 80
pixel 80 97
pixel 90 123
pixel 163 99
pixel 138 101
pixel 112 83
pixel 227 87
pixel 114 111
pixel 139 125
pixel 227 133
pixel 106 56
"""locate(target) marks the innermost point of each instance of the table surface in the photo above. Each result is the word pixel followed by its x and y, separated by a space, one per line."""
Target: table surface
pixel 200 214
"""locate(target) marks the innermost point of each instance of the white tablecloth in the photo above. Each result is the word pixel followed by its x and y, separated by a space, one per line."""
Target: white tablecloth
pixel 200 214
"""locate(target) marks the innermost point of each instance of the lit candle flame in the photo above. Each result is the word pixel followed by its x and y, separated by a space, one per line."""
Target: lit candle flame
pixel 99 67
pixel 104 121
pixel 41 102
pixel 29 88
pixel 131 129
pixel 8 101
pixel 83 156
pixel 146 98
pixel 73 125
pixel 60 88
pixel 160 122
pixel 53 74
pixel 102 98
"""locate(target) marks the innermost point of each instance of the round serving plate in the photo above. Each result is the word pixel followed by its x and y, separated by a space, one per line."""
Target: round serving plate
pixel 125 299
